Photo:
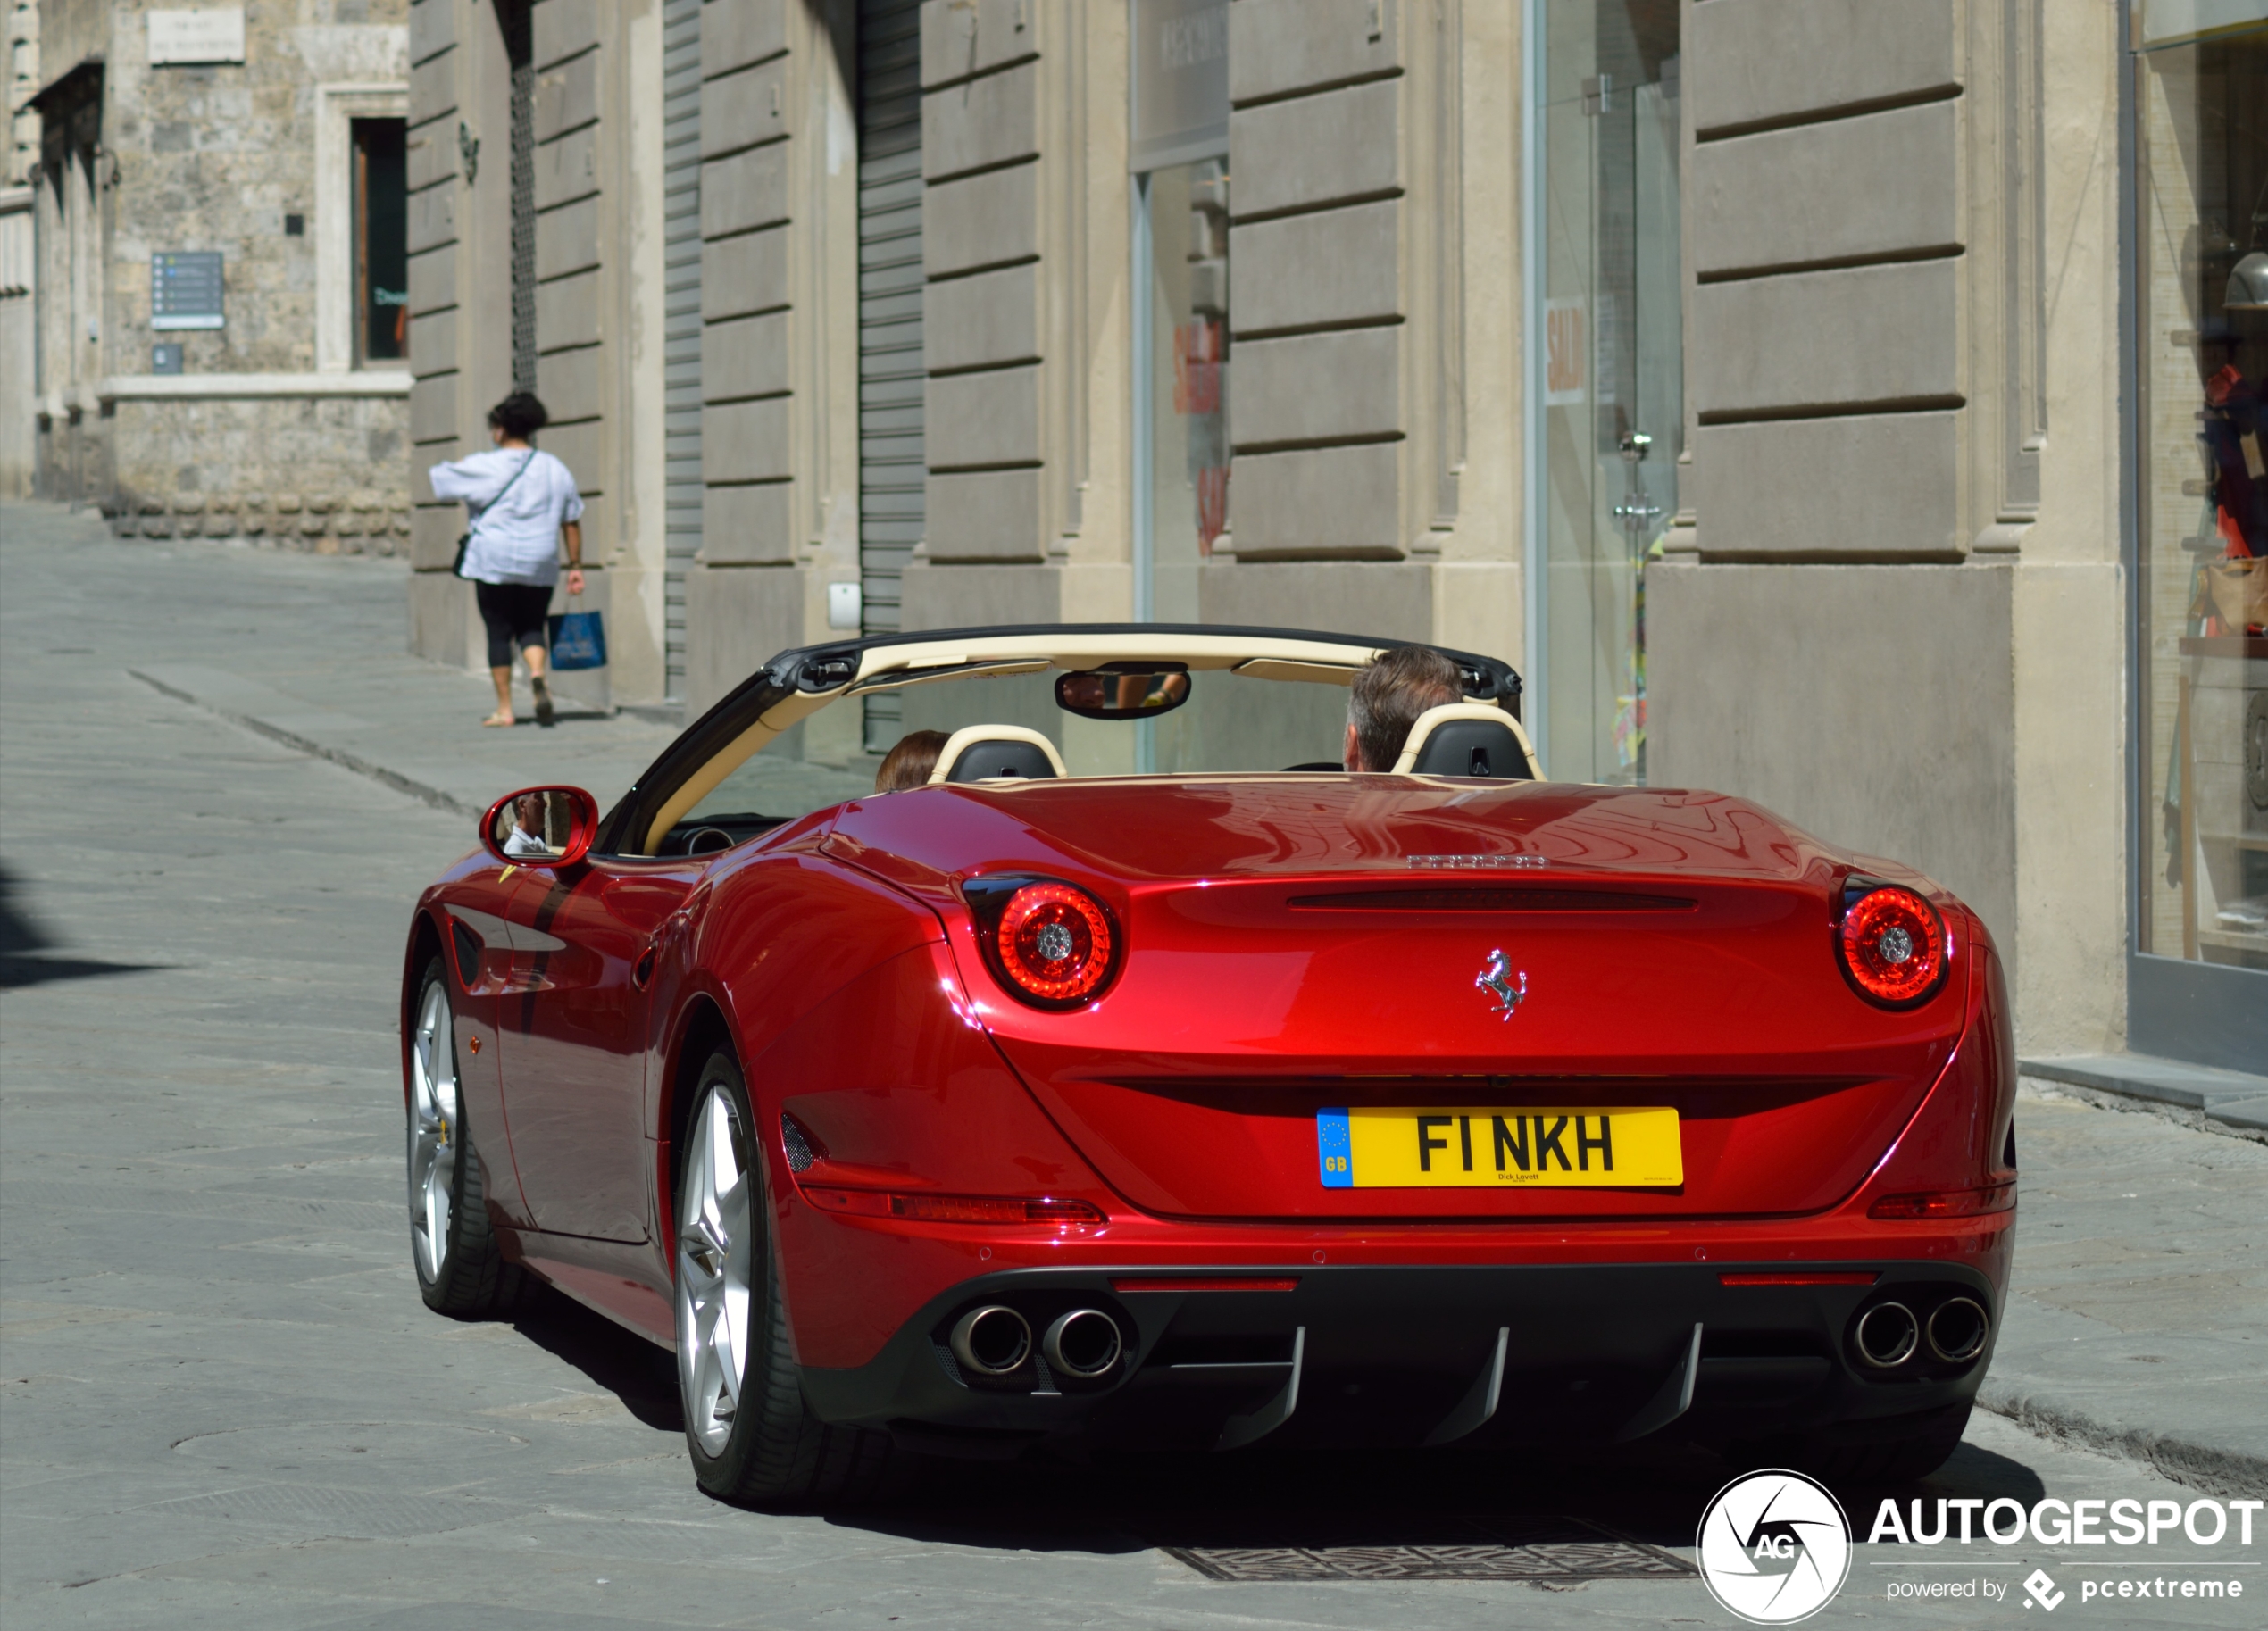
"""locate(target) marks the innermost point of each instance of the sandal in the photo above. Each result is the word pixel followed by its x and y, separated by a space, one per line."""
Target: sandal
pixel 499 718
pixel 545 715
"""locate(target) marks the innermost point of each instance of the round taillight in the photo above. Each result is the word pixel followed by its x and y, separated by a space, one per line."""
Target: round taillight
pixel 1055 944
pixel 1893 947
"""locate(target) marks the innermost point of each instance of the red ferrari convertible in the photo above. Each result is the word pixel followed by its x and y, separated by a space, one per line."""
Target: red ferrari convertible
pixel 1113 1086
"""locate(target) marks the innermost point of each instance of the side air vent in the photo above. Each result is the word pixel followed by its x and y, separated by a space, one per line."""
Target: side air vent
pixel 467 949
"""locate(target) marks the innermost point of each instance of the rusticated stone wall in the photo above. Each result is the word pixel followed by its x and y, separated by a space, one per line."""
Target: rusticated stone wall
pixel 248 159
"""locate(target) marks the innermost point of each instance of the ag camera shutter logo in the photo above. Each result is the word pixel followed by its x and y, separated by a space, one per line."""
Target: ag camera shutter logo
pixel 1774 1547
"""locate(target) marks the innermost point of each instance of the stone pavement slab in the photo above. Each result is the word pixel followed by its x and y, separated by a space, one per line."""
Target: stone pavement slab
pixel 223 1404
pixel 309 651
pixel 2138 1318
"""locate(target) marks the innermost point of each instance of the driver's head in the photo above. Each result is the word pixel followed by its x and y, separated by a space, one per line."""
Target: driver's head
pixel 909 764
pixel 1387 698
pixel 531 813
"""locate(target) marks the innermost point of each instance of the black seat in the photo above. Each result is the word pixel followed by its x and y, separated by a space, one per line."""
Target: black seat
pixel 983 761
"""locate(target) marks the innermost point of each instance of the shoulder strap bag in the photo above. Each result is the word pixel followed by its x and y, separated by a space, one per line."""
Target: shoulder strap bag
pixel 465 538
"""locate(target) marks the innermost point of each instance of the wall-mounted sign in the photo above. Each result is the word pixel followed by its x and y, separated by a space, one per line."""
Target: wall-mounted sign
pixel 185 290
pixel 1180 88
pixel 198 34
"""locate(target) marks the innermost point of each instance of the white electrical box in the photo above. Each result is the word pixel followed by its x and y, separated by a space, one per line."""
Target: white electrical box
pixel 845 605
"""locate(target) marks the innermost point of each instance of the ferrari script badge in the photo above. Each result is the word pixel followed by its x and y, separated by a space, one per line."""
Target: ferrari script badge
pixel 1498 979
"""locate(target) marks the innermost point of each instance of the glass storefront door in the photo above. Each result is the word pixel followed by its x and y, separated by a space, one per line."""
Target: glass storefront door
pixel 1178 95
pixel 1183 349
pixel 1607 377
pixel 2199 979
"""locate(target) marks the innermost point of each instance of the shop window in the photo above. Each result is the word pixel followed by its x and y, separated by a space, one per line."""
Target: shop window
pixel 1607 372
pixel 2201 239
pixel 381 242
pixel 1178 129
pixel 1186 211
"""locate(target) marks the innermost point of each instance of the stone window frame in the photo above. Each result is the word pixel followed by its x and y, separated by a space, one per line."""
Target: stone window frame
pixel 336 107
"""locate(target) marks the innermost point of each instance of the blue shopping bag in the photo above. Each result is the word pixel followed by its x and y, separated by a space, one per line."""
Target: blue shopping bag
pixel 577 640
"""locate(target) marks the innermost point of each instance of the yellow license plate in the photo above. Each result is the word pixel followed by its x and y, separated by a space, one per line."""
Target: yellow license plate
pixel 1620 1148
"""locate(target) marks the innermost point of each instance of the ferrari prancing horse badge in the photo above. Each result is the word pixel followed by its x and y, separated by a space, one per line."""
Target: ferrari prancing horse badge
pixel 1496 979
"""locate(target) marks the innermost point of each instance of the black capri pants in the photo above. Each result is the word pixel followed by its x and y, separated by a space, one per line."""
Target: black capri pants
pixel 515 615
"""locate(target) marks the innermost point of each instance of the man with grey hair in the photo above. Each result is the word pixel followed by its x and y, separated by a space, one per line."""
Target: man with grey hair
pixel 1387 698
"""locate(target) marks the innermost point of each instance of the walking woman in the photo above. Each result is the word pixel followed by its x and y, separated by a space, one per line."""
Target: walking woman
pixel 521 503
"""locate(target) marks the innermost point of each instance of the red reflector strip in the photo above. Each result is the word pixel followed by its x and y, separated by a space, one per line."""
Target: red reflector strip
pixel 1209 1282
pixel 951 1209
pixel 1953 1203
pixel 1854 1276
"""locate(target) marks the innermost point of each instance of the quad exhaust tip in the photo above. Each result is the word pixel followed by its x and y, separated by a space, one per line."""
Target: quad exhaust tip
pixel 1957 1330
pixel 993 1341
pixel 1887 1334
pixel 1084 1343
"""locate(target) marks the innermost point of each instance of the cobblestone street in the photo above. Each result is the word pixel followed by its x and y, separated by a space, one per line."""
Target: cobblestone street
pixel 221 785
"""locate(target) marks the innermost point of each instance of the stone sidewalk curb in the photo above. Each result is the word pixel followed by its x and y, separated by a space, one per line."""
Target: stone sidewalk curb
pixel 338 756
pixel 2202 1467
pixel 2232 1098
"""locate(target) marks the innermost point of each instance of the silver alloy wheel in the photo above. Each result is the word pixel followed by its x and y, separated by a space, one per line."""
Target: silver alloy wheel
pixel 714 1249
pixel 434 1128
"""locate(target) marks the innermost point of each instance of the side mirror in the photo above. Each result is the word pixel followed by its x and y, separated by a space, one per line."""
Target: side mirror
pixel 540 827
pixel 1124 691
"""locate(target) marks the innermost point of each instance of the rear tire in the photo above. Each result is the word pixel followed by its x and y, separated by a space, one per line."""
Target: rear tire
pixel 752 1439
pixel 461 1269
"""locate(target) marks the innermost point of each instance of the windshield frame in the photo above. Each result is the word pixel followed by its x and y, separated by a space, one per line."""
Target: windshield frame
pixel 797 684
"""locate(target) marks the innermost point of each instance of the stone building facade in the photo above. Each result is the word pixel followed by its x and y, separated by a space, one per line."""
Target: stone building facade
pixel 19 253
pixel 1848 404
pixel 211 188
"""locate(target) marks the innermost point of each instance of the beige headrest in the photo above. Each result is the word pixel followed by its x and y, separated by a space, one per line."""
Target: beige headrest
pixel 1433 718
pixel 971 736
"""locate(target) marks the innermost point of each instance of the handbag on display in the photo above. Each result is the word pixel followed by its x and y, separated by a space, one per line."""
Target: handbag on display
pixel 2239 590
pixel 577 640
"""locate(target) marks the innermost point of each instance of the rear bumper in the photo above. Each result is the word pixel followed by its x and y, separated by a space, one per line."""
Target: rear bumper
pixel 1396 1355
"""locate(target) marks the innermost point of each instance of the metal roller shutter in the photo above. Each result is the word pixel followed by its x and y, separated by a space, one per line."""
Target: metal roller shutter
pixel 890 380
pixel 680 321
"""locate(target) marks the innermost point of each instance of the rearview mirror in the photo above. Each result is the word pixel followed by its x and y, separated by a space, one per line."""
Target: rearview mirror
pixel 541 827
pixel 1124 691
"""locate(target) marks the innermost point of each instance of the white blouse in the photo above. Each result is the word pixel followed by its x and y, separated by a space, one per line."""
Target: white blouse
pixel 514 539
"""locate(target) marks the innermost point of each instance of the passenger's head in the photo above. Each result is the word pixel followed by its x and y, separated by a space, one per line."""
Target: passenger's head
pixel 910 762
pixel 519 416
pixel 1387 699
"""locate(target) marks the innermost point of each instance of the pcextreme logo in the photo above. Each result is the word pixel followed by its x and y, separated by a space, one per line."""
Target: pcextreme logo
pixel 1774 1547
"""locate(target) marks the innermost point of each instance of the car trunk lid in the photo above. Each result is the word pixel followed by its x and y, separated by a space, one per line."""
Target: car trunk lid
pixel 1342 943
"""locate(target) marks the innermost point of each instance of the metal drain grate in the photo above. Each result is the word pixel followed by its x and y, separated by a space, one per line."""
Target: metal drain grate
pixel 1539 1550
